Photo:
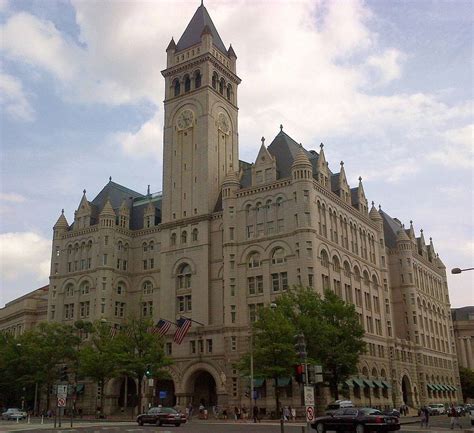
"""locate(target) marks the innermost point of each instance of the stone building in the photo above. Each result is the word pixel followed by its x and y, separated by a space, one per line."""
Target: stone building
pixel 25 312
pixel 463 327
pixel 226 237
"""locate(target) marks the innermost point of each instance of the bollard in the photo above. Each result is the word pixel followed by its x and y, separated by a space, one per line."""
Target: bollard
pixel 42 419
pixel 29 421
pixel 17 418
pixel 282 426
pixel 303 429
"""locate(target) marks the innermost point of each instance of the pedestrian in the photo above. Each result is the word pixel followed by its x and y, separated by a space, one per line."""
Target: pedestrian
pixel 190 411
pixel 255 414
pixel 286 413
pixel 422 415
pixel 453 413
pixel 293 413
pixel 224 413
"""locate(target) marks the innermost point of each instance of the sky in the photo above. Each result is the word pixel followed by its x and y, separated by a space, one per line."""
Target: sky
pixel 387 86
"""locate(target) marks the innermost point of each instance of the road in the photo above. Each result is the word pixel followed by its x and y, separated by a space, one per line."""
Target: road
pixel 438 424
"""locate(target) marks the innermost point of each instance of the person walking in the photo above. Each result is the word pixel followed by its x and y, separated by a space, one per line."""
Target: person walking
pixel 190 411
pixel 422 417
pixel 293 414
pixel 453 413
pixel 255 414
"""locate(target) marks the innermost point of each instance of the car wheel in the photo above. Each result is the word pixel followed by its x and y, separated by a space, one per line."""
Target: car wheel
pixel 140 422
pixel 360 428
pixel 158 423
pixel 320 427
pixel 177 424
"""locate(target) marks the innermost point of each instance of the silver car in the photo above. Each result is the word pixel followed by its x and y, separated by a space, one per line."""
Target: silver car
pixel 13 413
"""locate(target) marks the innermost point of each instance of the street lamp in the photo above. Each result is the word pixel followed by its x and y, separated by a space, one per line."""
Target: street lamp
pixel 458 270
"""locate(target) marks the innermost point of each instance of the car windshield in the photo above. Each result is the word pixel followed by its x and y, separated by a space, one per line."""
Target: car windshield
pixel 167 410
pixel 333 406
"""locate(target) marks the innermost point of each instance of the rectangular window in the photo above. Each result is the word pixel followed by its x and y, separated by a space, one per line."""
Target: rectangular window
pixel 270 227
pixel 168 349
pixel 231 233
pixel 52 312
pixel 233 343
pixel 252 313
pixel 310 277
pixel 249 231
pixel 259 282
pixel 233 313
pixel 325 281
pixel 251 285
pixel 152 263
pixel 280 225
pixel 209 345
pixel 69 267
pixel 145 265
pixel 192 345
pixel 200 346
pixel 260 229
pixel 104 260
pixel 119 263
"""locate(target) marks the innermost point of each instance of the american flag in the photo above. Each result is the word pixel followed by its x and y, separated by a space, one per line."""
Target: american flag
pixel 162 327
pixel 183 327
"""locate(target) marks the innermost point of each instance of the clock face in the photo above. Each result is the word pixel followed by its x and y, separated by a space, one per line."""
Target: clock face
pixel 185 119
pixel 223 123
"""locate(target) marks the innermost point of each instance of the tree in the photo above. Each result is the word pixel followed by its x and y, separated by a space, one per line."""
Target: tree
pixel 139 351
pixel 33 357
pixel 98 357
pixel 273 348
pixel 467 382
pixel 334 336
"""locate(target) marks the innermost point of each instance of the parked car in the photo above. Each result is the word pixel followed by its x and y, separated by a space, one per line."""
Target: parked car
pixel 356 419
pixel 393 412
pixel 160 416
pixel 338 404
pixel 436 409
pixel 14 413
pixel 471 414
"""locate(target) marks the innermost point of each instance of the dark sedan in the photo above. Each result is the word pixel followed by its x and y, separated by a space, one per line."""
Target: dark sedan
pixel 357 419
pixel 160 416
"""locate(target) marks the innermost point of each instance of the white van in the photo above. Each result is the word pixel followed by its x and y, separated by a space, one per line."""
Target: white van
pixel 437 409
pixel 338 404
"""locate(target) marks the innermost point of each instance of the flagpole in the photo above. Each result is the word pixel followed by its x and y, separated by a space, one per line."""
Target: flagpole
pixel 195 321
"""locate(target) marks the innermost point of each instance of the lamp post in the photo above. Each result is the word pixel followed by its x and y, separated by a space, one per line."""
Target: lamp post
pixel 458 270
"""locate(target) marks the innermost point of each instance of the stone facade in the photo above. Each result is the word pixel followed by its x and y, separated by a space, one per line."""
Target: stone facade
pixel 463 326
pixel 227 237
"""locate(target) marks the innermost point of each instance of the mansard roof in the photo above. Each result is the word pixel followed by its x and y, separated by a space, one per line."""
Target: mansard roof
pixel 390 229
pixel 463 313
pixel 192 35
pixel 116 194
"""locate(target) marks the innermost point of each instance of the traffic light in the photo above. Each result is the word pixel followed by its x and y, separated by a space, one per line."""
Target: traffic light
pixel 63 373
pixel 300 347
pixel 148 371
pixel 299 373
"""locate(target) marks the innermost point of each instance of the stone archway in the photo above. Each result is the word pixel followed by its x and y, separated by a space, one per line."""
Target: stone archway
pixel 164 393
pixel 407 393
pixel 204 391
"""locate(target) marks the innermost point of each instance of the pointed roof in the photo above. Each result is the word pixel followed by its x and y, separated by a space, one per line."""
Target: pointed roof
pixel 192 35
pixel 391 227
pixel 301 158
pixel 284 149
pixel 116 194
pixel 107 210
pixel 374 214
pixel 171 45
pixel 401 235
pixel 231 52
pixel 61 222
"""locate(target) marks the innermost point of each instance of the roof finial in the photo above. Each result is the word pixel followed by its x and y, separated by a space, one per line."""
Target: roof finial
pixel 411 222
pixel 62 211
pixel 421 231
pixel 110 178
pixel 281 128
pixel 373 203
pixel 380 206
pixel 148 190
pixel 342 163
pixel 360 178
pixel 202 2
pixel 263 141
pixel 84 191
pixel 321 146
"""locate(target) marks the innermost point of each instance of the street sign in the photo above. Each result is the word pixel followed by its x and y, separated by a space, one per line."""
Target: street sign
pixel 62 391
pixel 150 382
pixel 318 369
pixel 309 413
pixel 308 396
pixel 318 378
pixel 61 402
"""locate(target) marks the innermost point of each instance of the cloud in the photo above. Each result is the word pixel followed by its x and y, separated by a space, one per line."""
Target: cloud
pixel 14 100
pixel 458 151
pixel 12 197
pixel 146 142
pixel 387 66
pixel 24 260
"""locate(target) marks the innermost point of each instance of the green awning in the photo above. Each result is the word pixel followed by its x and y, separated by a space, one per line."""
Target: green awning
pixel 349 383
pixel 358 382
pixel 386 384
pixel 448 387
pixel 430 387
pixel 444 387
pixel 258 382
pixel 454 388
pixel 283 381
pixel 369 383
pixel 437 387
pixel 378 383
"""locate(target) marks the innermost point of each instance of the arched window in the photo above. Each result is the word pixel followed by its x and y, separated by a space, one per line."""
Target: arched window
pixel 356 273
pixel 151 245
pixel 347 269
pixel 120 289
pixel 187 83
pixel 324 259
pixel 336 265
pixel 375 283
pixel 177 87
pixel 120 245
pixel 221 86
pixel 147 287
pixel 184 276
pixel 197 79
pixel 214 81
pixel 194 235
pixel 366 278
pixel 254 260
pixel 69 290
pixel 145 247
pixel 229 91
pixel 374 373
pixel 85 288
pixel 279 201
pixel 173 239
pixel 278 256
pixel 184 237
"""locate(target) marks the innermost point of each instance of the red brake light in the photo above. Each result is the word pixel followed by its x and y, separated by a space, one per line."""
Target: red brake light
pixel 379 420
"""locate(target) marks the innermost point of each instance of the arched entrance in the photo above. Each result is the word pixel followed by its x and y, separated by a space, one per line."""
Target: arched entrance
pixel 407 391
pixel 128 393
pixel 164 393
pixel 204 390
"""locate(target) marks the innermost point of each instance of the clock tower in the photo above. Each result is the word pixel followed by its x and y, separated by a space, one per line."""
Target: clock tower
pixel 200 143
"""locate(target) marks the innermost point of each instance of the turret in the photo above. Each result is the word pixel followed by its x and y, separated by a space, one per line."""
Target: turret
pixel 322 167
pixel 376 218
pixel 264 169
pixel 301 169
pixel 170 51
pixel 82 216
pixel 233 58
pixel 206 39
pixel 107 216
pixel 149 215
pixel 359 201
pixel 124 215
pixel 61 225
